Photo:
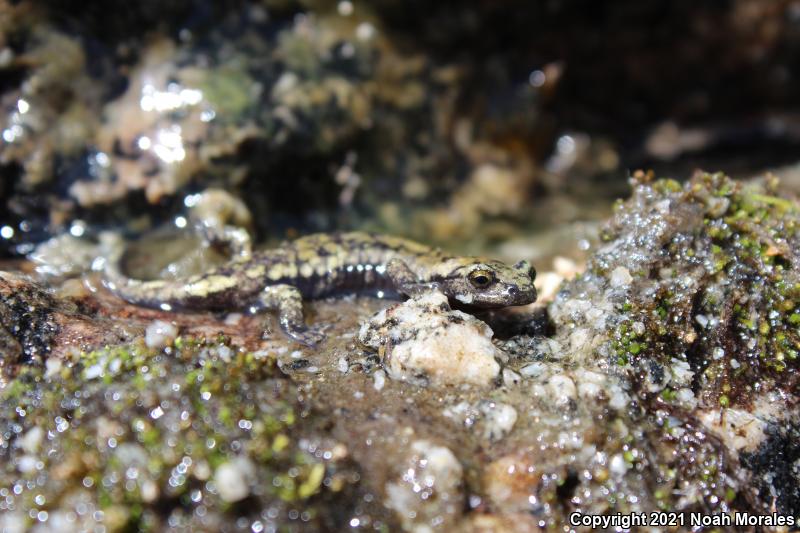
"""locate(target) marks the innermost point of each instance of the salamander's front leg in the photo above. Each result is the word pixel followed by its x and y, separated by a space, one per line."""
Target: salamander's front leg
pixel 405 281
pixel 288 302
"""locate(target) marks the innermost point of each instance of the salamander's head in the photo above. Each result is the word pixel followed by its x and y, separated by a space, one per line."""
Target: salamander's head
pixel 478 282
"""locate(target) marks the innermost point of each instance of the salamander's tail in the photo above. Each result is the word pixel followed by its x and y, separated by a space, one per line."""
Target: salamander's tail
pixel 148 293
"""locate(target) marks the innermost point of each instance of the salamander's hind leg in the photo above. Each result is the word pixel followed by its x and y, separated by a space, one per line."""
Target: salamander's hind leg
pixel 288 302
pixel 405 281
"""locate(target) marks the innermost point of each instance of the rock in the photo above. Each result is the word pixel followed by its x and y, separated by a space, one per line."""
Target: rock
pixel 499 420
pixel 423 341
pixel 160 334
pixel 510 481
pixel 562 389
pixel 620 277
pixel 32 440
pixel 427 494
pixel 233 479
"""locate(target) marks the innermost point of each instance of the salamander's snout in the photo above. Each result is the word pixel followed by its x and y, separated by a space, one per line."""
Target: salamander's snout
pixel 525 267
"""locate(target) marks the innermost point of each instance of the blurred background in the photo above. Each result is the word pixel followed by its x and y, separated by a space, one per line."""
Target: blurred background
pixel 478 125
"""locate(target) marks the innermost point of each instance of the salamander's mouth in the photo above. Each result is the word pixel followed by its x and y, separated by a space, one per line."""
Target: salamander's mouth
pixel 516 300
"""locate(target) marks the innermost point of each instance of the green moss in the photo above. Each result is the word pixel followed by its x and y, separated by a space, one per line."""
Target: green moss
pixel 740 258
pixel 150 426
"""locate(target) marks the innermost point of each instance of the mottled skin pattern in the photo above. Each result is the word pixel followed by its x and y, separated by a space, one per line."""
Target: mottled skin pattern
pixel 323 265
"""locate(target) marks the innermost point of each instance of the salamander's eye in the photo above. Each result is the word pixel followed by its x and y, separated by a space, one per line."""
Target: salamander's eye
pixel 480 279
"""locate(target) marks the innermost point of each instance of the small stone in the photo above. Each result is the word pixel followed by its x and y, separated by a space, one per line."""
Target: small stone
pixel 533 370
pixel 149 491
pixel 427 492
pixel 499 420
pixel 93 372
pixel 53 366
pixel 510 378
pixel 686 397
pixel 562 389
pixel 681 372
pixel 224 352
pixel 617 398
pixel 379 379
pixel 617 465
pixel 26 464
pixel 232 479
pixel 580 340
pixel 510 481
pixel 620 277
pixel 160 334
pixel 32 440
pixel 590 384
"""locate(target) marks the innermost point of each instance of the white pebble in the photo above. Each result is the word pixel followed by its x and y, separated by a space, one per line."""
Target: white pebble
pixel 53 366
pixel 617 465
pixel 533 370
pixel 620 277
pixel 617 399
pixel 342 365
pixel 32 440
pixel 562 389
pixel 579 340
pixel 686 397
pixel 681 372
pixel 160 334
pixel 149 491
pixel 428 489
pixel 379 378
pixel 26 464
pixel 224 352
pixel 510 378
pixel 94 371
pixel 717 353
pixel 231 480
pixel 500 420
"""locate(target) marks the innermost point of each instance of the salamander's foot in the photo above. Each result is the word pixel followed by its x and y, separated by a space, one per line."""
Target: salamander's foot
pixel 288 301
pixel 311 337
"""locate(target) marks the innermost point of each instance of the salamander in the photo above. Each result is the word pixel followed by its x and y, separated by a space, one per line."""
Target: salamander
pixel 323 265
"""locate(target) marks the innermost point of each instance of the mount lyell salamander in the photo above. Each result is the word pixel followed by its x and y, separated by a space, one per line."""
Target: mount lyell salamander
pixel 322 265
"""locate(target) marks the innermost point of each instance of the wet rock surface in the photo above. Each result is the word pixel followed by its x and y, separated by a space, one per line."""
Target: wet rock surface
pixel 625 393
pixel 658 370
